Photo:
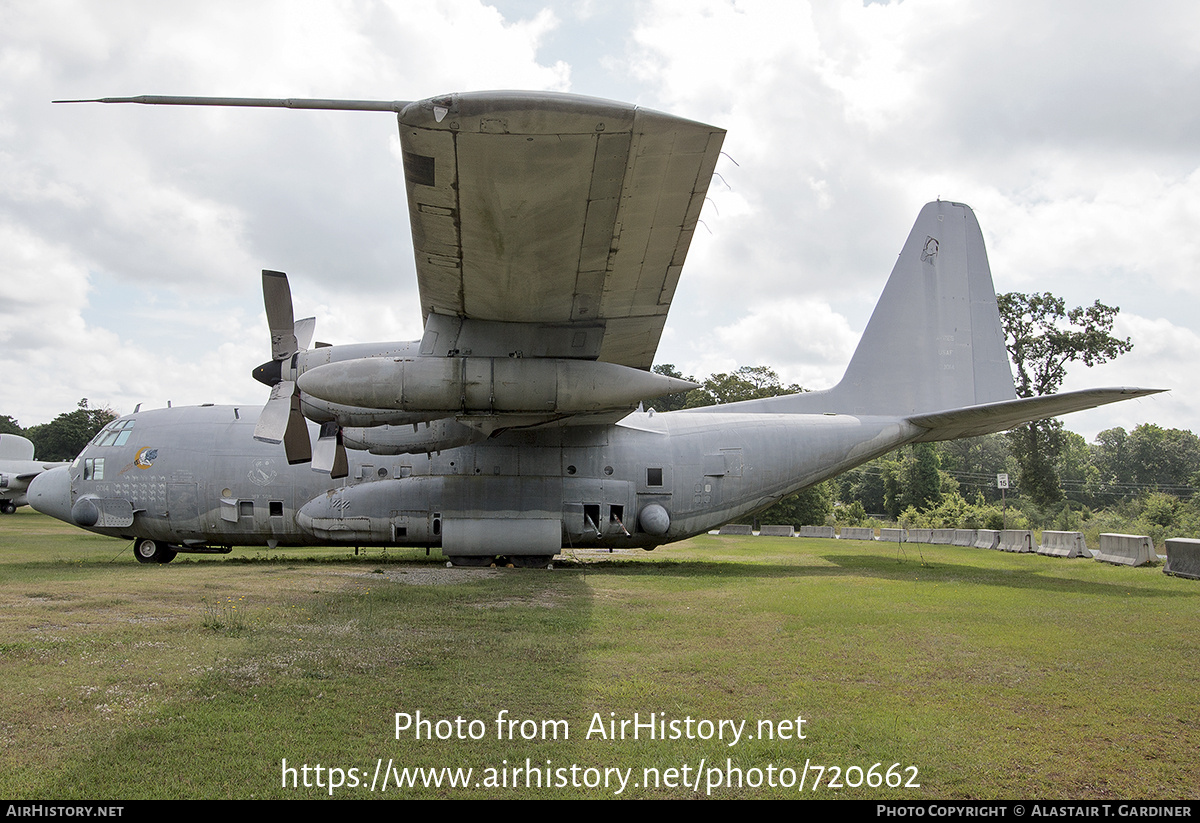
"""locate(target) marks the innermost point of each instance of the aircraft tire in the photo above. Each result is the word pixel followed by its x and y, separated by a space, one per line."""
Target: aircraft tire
pixel 152 551
pixel 8 507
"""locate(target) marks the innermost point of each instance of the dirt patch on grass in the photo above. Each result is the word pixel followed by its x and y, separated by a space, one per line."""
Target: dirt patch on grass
pixel 432 576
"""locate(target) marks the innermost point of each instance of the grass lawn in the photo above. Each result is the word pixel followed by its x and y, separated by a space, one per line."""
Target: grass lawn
pixel 972 673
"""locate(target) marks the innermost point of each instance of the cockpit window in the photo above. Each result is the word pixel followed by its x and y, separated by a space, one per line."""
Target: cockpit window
pixel 115 433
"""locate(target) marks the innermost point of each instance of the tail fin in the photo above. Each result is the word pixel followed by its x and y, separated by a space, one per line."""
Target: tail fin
pixel 934 341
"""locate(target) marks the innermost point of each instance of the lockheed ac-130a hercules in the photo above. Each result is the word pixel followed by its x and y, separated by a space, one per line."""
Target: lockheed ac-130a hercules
pixel 549 232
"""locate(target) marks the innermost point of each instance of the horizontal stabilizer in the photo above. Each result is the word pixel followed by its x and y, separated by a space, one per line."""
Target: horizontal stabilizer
pixel 972 421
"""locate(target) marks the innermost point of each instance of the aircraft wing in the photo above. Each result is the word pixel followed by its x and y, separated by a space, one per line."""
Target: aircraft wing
pixel 570 216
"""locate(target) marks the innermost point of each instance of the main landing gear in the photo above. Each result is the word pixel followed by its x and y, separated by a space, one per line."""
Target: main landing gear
pixel 153 551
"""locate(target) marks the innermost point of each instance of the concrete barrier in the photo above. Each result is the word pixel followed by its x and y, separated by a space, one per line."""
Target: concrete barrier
pixel 986 539
pixel 777 531
pixel 943 537
pixel 1183 558
pixel 817 531
pixel 856 533
pixel 737 528
pixel 893 535
pixel 964 537
pixel 1016 540
pixel 1127 549
pixel 1063 544
pixel 920 535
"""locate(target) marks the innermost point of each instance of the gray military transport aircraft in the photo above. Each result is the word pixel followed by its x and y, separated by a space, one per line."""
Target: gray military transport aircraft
pixel 549 231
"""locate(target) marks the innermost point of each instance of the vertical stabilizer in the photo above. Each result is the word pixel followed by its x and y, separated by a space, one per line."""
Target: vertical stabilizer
pixel 934 340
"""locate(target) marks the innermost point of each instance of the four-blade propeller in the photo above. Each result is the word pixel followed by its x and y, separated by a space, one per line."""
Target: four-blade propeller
pixel 281 420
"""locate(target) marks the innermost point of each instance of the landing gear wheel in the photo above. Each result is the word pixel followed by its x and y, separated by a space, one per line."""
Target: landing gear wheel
pixel 8 507
pixel 152 551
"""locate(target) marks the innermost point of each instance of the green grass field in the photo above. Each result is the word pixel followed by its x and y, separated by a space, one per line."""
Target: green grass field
pixel 981 674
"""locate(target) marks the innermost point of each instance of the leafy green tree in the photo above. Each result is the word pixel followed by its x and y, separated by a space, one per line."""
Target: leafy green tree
pixel 1149 457
pixel 809 507
pixel 974 462
pixel 922 482
pixel 746 383
pixel 910 479
pixel 1163 458
pixel 1110 456
pixel 1077 472
pixel 9 425
pixel 1043 336
pixel 865 486
pixel 66 435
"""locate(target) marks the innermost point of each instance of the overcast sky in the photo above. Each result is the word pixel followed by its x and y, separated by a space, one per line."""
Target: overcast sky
pixel 131 237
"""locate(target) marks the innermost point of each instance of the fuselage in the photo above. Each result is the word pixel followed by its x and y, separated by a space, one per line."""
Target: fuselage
pixel 195 477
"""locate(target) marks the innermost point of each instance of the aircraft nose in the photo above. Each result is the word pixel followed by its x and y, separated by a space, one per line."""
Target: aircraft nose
pixel 50 493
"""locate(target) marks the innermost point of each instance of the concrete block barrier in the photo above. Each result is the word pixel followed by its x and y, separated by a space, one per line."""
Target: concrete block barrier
pixel 1063 544
pixel 817 531
pixel 986 539
pixel 1127 549
pixel 1183 558
pixel 1016 540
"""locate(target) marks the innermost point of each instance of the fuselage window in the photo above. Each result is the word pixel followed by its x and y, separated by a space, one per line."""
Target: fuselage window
pixel 93 468
pixel 654 477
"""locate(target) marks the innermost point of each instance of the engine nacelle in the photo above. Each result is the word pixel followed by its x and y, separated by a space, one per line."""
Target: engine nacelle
pixel 452 385
pixel 419 438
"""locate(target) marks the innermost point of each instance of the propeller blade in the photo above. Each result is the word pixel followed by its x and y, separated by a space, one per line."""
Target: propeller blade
pixel 330 453
pixel 273 420
pixel 277 297
pixel 304 332
pixel 281 422
pixel 296 444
